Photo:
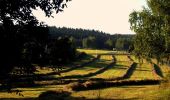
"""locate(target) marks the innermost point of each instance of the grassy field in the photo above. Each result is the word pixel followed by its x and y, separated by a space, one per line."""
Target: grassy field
pixel 118 70
pixel 91 51
pixel 102 69
pixel 91 68
pixel 143 72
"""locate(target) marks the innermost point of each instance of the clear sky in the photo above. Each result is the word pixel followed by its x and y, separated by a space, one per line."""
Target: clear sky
pixel 110 16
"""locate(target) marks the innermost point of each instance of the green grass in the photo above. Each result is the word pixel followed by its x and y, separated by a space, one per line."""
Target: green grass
pixel 148 92
pixel 121 58
pixel 116 71
pixel 106 57
pixel 91 68
pixel 142 72
pixel 91 51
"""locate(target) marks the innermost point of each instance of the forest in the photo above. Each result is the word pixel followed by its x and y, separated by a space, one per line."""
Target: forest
pixel 93 39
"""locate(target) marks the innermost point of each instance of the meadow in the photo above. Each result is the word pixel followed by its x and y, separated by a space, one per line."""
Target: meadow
pixel 117 77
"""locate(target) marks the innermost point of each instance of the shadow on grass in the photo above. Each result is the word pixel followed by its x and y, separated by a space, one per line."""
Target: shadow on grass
pixel 107 84
pixel 90 74
pixel 19 99
pixel 76 66
pixel 158 71
pixel 130 71
pixel 71 98
pixel 48 76
pixel 130 58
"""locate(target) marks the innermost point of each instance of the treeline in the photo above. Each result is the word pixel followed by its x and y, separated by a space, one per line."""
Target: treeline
pixel 93 39
pixel 23 46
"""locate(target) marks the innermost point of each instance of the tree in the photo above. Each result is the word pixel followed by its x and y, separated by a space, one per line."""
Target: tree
pixel 61 51
pixel 18 23
pixel 109 44
pixel 89 42
pixel 119 44
pixel 152 27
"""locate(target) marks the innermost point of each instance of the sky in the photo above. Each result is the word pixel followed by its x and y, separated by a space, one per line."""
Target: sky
pixel 110 16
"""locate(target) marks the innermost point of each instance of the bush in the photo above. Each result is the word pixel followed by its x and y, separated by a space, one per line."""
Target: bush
pixel 74 86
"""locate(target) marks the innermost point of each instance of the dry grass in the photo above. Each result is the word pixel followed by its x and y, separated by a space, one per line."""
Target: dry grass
pixel 90 51
pixel 91 68
pixel 122 58
pixel 116 71
pixel 142 72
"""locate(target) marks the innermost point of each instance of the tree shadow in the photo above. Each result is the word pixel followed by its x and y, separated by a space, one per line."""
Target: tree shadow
pixel 90 74
pixel 129 57
pixel 19 99
pixel 130 71
pixel 158 70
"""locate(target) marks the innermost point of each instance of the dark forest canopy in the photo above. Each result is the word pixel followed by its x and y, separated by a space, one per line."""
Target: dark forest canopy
pixel 84 38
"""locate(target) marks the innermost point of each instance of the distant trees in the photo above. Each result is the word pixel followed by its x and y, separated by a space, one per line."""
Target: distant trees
pixel 109 44
pixel 123 43
pixel 152 27
pixel 119 44
pixel 89 42
pixel 91 39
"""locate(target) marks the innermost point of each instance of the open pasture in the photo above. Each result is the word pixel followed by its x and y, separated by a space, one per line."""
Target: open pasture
pixel 104 68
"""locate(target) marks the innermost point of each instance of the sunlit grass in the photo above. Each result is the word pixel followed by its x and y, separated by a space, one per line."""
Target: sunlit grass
pixel 91 51
pixel 143 72
pixel 106 57
pixel 148 92
pixel 122 58
pixel 91 68
pixel 118 70
pixel 32 92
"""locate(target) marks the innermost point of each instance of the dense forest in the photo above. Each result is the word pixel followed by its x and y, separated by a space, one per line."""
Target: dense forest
pixel 93 39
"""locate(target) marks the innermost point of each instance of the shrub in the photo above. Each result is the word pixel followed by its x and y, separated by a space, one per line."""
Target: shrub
pixel 74 86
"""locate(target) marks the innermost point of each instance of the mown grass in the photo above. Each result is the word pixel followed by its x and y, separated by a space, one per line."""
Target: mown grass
pixel 148 92
pixel 122 58
pixel 118 70
pixel 106 57
pixel 91 51
pixel 91 68
pixel 142 72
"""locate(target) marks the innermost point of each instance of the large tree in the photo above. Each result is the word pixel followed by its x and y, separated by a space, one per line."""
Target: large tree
pixel 152 27
pixel 21 33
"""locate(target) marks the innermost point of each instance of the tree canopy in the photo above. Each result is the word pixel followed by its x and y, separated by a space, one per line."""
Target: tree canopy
pixel 20 11
pixel 23 38
pixel 152 27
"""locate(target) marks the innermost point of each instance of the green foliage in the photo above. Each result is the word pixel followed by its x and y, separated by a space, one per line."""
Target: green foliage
pixel 89 42
pixel 61 51
pixel 152 27
pixel 21 11
pixel 23 37
pixel 119 44
pixel 90 38
pixel 109 44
